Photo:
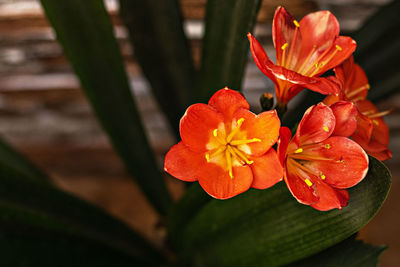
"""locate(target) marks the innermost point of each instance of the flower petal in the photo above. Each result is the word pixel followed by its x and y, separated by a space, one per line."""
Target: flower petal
pixel 264 126
pixel 374 148
pixel 364 128
pixel 260 57
pixel 341 49
pixel 227 101
pixel 316 125
pixel 319 28
pixel 283 28
pixel 345 164
pixel 330 198
pixel 182 163
pixel 294 179
pixel 345 114
pixel 283 142
pixel 267 170
pixel 197 125
pixel 217 183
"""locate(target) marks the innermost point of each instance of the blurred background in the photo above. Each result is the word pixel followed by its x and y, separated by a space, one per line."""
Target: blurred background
pixel 44 114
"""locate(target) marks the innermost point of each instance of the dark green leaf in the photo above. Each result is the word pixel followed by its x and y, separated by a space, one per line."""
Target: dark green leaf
pixel 377 50
pixel 225 45
pixel 12 161
pixel 270 228
pixel 84 30
pixel 161 47
pixel 348 253
pixel 42 226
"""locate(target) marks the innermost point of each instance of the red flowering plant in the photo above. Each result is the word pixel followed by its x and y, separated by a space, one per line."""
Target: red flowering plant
pixel 372 132
pixel 320 162
pixel 226 147
pixel 304 51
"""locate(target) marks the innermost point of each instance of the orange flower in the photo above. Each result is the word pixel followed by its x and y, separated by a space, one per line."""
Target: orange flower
pixel 372 132
pixel 320 162
pixel 226 147
pixel 304 51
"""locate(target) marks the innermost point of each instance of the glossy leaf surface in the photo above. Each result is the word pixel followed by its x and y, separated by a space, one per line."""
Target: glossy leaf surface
pixel 269 228
pixel 84 30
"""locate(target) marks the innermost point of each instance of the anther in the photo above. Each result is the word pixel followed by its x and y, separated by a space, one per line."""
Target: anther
pixel 323 177
pixel 339 48
pixel 296 23
pixel 283 47
pixel 299 150
pixel 308 182
pixel 375 122
pixel 240 122
pixel 207 157
pixel 326 129
pixel 327 146
pixel 215 132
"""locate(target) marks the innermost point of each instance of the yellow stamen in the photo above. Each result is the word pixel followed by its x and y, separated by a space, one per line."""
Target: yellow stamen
pixel 240 155
pixel 215 132
pixel 307 59
pixel 229 162
pixel 326 129
pixel 323 177
pixel 379 114
pixel 299 150
pixel 358 90
pixel 308 182
pixel 296 23
pixel 218 151
pixel 207 157
pixel 242 142
pixel 375 122
pixel 283 47
pixel 328 146
pixel 338 47
pixel 234 131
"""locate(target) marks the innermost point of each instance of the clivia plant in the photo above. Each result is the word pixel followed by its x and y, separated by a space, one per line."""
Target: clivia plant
pixel 287 186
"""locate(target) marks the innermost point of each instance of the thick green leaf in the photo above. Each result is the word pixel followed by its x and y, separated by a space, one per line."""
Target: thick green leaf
pixel 348 253
pixel 84 30
pixel 377 50
pixel 12 161
pixel 225 44
pixel 270 228
pixel 160 46
pixel 42 226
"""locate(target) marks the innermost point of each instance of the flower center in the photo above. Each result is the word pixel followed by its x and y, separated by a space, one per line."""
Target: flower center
pixel 229 147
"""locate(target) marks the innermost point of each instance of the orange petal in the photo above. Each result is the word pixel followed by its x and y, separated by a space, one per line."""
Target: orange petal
pixel 346 162
pixel 227 101
pixel 317 124
pixel 319 28
pixel 267 170
pixel 197 125
pixel 217 183
pixel 330 198
pixel 283 28
pixel 283 143
pixel 182 163
pixel 364 128
pixel 264 126
pixel 335 57
pixel 345 114
pixel 260 57
pixel 294 179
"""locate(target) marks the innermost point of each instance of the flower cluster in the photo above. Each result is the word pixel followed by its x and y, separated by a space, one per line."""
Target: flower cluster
pixel 228 149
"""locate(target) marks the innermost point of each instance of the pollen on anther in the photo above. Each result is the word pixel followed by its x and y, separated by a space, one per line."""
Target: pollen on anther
pixel 338 47
pixel 375 122
pixel 308 182
pixel 283 47
pixel 207 157
pixel 215 132
pixel 368 86
pixel 296 23
pixel 299 150
pixel 326 129
pixel 323 177
pixel 316 65
pixel 240 121
pixel 327 146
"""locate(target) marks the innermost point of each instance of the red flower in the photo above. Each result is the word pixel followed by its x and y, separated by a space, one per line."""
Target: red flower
pixel 226 147
pixel 304 51
pixel 320 162
pixel 372 132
